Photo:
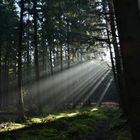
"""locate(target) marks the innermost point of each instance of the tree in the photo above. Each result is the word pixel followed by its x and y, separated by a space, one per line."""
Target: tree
pixel 8 41
pixel 56 33
pixel 118 62
pixel 20 107
pixel 36 58
pixel 127 15
pixel 108 13
pixel 104 5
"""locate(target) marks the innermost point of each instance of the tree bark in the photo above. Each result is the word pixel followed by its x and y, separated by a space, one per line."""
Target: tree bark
pixel 0 80
pixel 50 57
pixel 112 60
pixel 36 58
pixel 127 15
pixel 104 4
pixel 61 56
pixel 6 79
pixel 118 64
pixel 68 44
pixel 20 105
pixel 28 44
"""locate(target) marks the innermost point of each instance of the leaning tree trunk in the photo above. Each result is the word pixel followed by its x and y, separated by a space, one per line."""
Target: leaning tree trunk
pixel 20 106
pixel 128 23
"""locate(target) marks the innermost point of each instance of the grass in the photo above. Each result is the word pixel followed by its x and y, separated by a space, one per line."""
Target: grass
pixel 87 124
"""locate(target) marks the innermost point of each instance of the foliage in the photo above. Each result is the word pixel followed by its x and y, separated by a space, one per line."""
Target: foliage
pixel 67 32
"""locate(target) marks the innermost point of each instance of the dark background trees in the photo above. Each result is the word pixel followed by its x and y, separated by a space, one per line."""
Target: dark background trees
pixel 54 35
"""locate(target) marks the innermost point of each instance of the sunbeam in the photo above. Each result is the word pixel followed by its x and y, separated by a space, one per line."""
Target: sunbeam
pixel 73 86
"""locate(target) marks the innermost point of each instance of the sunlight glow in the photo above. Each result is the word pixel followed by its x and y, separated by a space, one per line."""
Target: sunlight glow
pixel 67 115
pixel 13 126
pixel 94 109
pixel 70 87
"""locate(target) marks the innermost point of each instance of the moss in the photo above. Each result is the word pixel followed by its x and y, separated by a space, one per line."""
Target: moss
pixel 79 130
pixel 125 135
pixel 7 118
pixel 76 125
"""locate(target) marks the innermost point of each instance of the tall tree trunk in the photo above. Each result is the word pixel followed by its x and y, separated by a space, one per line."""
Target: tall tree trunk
pixel 6 79
pixel 127 15
pixel 111 57
pixel 109 44
pixel 61 56
pixel 68 44
pixel 28 71
pixel 117 53
pixel 36 58
pixel 61 40
pixel 20 106
pixel 109 41
pixel 28 43
pixel 43 52
pixel 50 58
pixel 43 60
pixel 81 53
pixel 0 80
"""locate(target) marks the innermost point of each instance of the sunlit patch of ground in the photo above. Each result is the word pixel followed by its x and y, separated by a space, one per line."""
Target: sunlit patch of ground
pixel 9 126
pixel 83 124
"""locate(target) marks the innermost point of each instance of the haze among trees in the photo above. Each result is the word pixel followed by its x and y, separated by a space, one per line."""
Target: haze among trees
pixel 42 38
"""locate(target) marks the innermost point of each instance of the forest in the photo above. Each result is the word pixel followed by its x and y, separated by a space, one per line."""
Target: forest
pixel 69 69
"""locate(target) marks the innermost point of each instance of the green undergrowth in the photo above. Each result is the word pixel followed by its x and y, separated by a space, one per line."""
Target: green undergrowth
pixel 10 118
pixel 87 124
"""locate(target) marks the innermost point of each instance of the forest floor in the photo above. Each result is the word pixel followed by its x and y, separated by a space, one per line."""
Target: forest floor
pixel 103 123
